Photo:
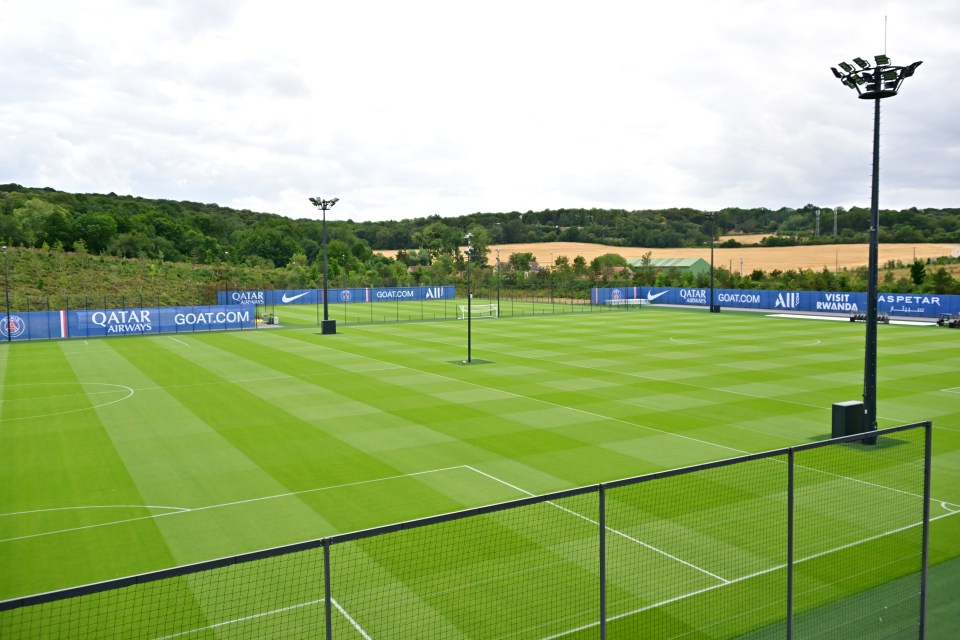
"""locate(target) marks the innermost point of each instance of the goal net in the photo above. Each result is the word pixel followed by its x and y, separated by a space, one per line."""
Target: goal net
pixel 478 311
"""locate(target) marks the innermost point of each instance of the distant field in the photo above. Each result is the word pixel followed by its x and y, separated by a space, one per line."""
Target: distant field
pixel 125 455
pixel 830 256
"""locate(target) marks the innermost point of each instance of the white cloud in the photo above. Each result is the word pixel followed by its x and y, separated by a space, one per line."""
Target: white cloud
pixel 429 107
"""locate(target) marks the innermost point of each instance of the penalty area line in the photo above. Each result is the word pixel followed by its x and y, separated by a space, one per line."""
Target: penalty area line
pixel 756 574
pixel 226 504
pixel 272 612
pixel 610 529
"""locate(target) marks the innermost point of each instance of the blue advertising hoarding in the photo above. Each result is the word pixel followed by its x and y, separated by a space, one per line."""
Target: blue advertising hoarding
pixel 90 323
pixel 280 297
pixel 893 304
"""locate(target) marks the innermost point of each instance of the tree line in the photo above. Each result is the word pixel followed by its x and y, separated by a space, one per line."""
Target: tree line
pixel 160 238
pixel 182 231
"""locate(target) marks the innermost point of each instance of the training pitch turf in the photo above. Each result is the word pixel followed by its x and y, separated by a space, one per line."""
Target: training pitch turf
pixel 125 455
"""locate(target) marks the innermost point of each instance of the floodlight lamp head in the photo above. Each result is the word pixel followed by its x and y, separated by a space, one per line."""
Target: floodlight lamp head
pixel 863 64
pixel 882 59
pixel 324 204
pixel 836 73
pixel 908 71
pixel 846 66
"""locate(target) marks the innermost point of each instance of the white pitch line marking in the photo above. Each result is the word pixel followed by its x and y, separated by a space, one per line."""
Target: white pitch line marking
pixel 272 612
pixel 60 413
pixel 93 506
pixel 626 614
pixel 226 504
pixel 610 529
pixel 350 619
pixel 180 341
pixel 740 579
pixel 243 619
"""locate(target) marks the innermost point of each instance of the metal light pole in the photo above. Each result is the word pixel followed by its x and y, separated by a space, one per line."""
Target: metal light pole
pixel 873 82
pixel 226 276
pixel 328 325
pixel 469 252
pixel 6 290
pixel 498 282
pixel 713 231
pixel 551 281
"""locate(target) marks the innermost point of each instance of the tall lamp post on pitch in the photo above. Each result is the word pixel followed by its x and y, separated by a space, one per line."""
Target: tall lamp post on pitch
pixel 226 277
pixel 498 282
pixel 469 252
pixel 714 308
pixel 873 82
pixel 327 325
pixel 6 291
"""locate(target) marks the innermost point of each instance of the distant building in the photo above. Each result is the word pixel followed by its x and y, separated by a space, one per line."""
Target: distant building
pixel 683 265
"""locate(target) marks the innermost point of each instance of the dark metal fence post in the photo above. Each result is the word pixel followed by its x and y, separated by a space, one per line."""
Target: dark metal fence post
pixel 925 553
pixel 790 523
pixel 603 564
pixel 327 598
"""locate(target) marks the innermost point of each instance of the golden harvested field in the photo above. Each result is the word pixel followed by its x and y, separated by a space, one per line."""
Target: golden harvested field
pixel 744 258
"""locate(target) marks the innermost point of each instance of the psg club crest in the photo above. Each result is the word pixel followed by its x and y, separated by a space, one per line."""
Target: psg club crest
pixel 616 294
pixel 345 295
pixel 12 326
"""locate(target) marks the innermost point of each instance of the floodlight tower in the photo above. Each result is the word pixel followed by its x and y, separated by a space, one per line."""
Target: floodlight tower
pixel 873 82
pixel 498 282
pixel 469 252
pixel 328 325
pixel 714 308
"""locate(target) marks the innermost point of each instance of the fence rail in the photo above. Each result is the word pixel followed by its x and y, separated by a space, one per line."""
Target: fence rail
pixel 798 542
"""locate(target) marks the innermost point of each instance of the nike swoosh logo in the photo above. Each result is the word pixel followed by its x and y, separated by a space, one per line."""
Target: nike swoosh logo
pixel 653 296
pixel 285 298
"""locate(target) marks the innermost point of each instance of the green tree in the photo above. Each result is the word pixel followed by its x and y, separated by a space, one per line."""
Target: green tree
pixel 438 239
pixel 481 245
pixel 646 274
pixel 943 282
pixel 34 219
pixel 520 262
pixel 918 271
pixel 97 230
pixel 580 266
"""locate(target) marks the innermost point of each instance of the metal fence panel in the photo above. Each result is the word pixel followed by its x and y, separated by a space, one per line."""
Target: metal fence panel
pixel 698 552
pixel 859 538
pixel 276 597
pixel 478 577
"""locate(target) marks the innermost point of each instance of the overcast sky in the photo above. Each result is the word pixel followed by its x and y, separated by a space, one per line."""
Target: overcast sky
pixel 413 108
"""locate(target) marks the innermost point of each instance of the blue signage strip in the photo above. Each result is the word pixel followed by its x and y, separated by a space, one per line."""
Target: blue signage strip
pixel 30 325
pixel 44 325
pixel 280 297
pixel 894 304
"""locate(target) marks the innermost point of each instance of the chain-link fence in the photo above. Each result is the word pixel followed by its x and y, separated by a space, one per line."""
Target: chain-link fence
pixel 827 539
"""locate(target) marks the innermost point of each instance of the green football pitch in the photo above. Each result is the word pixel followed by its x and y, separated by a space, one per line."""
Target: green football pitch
pixel 127 455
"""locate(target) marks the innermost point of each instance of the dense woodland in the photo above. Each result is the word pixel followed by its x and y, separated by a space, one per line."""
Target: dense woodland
pixel 99 245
